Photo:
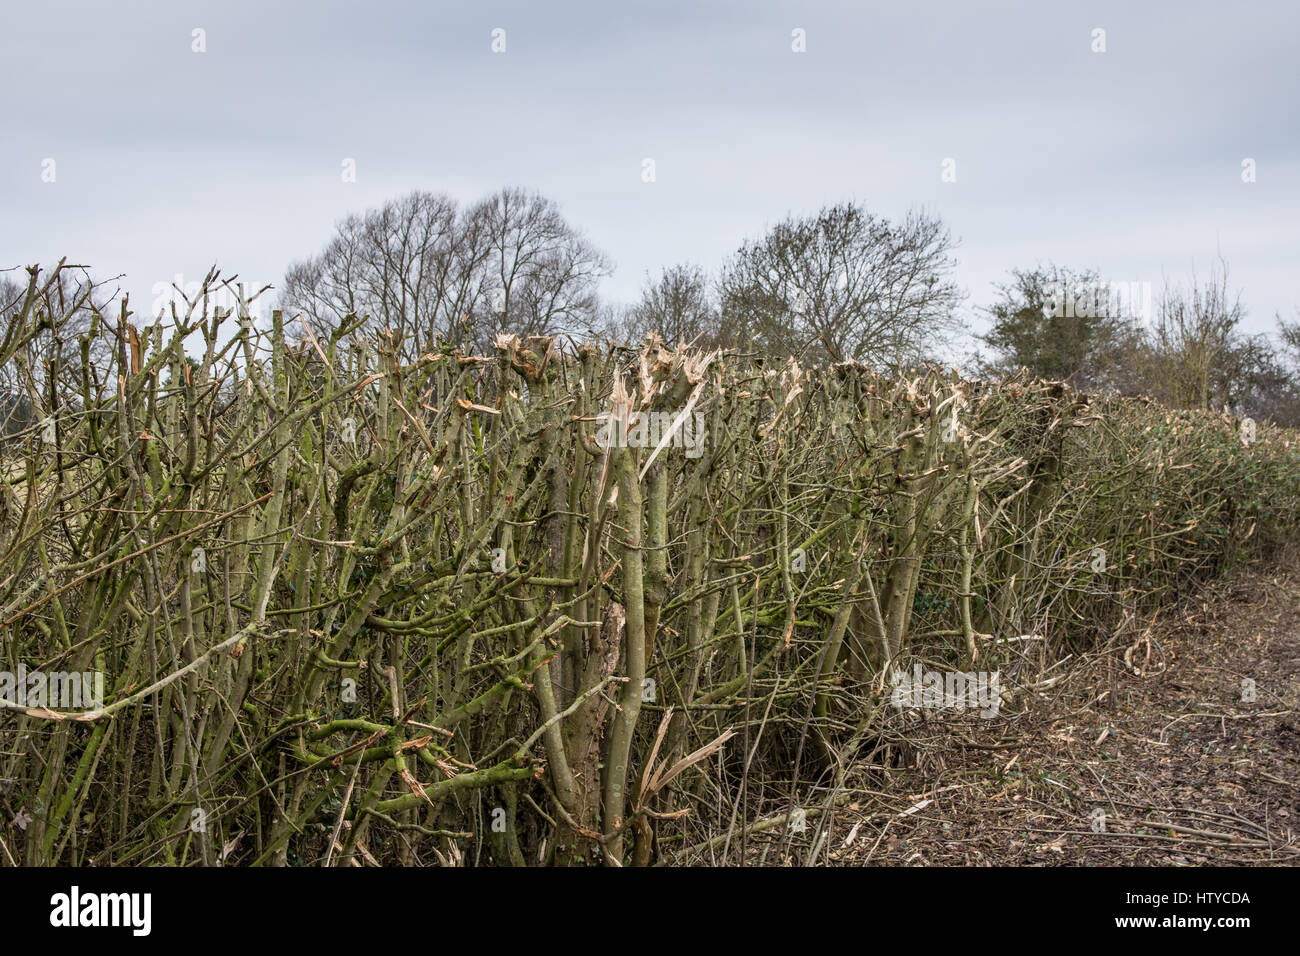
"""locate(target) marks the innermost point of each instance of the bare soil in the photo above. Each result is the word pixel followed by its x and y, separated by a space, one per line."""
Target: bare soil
pixel 1163 760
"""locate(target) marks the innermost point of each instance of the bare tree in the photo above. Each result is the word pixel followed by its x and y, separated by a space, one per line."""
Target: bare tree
pixel 424 267
pixel 1289 334
pixel 679 306
pixel 539 274
pixel 1194 353
pixel 64 303
pixel 844 284
pixel 412 266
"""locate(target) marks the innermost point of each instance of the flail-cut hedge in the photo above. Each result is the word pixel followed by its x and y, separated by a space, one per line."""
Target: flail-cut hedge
pixel 560 604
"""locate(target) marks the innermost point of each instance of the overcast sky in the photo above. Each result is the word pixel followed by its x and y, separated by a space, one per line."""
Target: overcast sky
pixel 1128 161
